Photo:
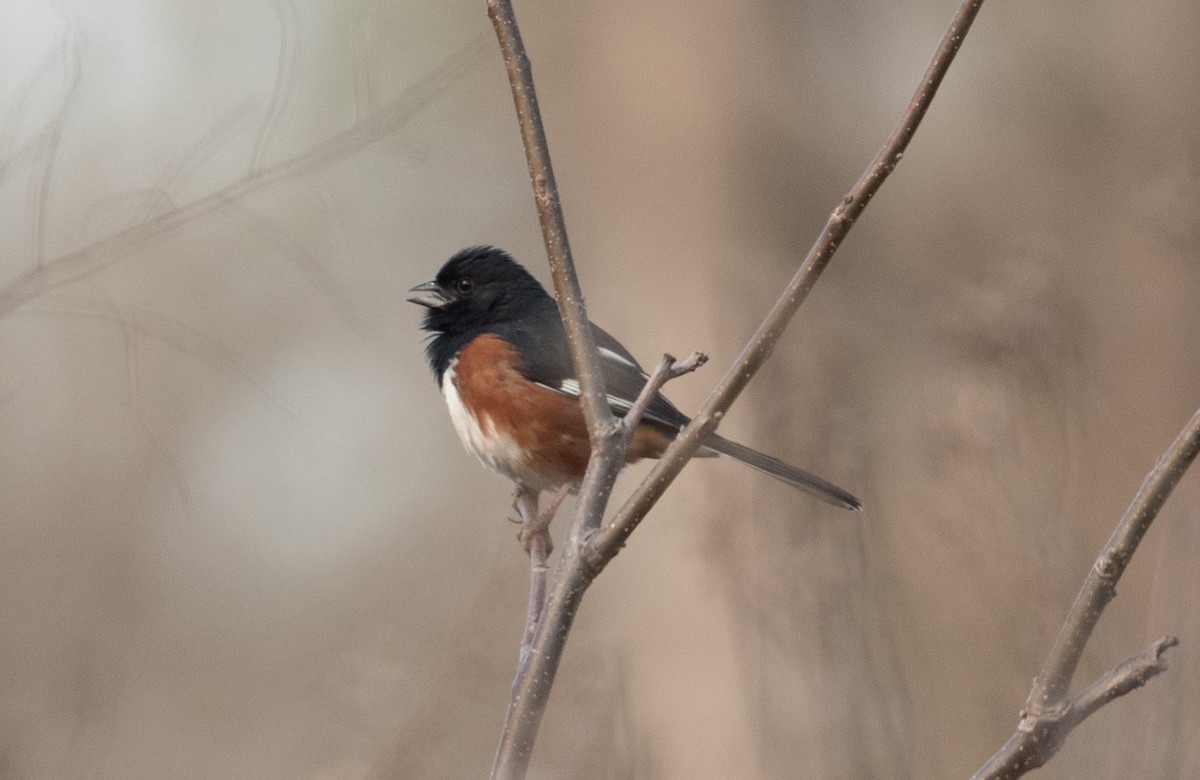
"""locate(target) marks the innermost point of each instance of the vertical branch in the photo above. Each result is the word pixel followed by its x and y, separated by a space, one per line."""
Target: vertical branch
pixel 539 663
pixel 549 209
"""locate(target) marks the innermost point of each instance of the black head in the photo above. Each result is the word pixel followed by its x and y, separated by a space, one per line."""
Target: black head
pixel 477 290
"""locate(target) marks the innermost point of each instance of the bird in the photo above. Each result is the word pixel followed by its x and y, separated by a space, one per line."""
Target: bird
pixel 499 352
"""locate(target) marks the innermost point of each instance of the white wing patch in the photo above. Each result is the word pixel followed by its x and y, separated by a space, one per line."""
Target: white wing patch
pixel 571 387
pixel 616 358
pixel 619 404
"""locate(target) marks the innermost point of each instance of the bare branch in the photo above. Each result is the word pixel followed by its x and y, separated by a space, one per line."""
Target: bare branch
pixel 1049 715
pixel 539 555
pixel 609 541
pixel 1100 586
pixel 666 370
pixel 1040 735
pixel 586 551
pixel 535 538
pixel 549 209
pixel 536 671
pixel 1129 675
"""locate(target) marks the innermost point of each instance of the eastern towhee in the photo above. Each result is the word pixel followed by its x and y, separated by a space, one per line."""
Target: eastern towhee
pixel 500 356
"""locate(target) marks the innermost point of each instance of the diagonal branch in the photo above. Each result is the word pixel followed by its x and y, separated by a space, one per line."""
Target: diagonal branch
pixel 609 541
pixel 1100 586
pixel 1049 714
pixel 1126 677
pixel 668 368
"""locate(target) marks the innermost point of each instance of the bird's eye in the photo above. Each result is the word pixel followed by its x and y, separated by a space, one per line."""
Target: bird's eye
pixel 464 285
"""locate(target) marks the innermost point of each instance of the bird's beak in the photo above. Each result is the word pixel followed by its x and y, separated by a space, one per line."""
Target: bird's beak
pixel 428 294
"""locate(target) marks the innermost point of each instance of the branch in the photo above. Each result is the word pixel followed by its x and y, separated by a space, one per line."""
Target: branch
pixel 1100 586
pixel 607 455
pixel 549 209
pixel 588 549
pixel 1129 675
pixel 1039 735
pixel 540 653
pixel 1049 715
pixel 535 538
pixel 114 248
pixel 609 541
pixel 666 370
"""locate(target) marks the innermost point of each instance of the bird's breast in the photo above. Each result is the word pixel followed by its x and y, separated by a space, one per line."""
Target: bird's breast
pixel 527 432
pixel 498 451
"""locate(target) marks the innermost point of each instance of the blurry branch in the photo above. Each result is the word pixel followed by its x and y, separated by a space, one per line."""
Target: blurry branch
pixel 588 548
pixel 73 50
pixel 1049 713
pixel 281 94
pixel 108 251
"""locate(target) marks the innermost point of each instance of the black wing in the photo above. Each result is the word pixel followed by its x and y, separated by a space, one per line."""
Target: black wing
pixel 624 379
pixel 542 343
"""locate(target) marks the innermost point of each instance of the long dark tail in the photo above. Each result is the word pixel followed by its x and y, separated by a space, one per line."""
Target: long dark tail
pixel 809 483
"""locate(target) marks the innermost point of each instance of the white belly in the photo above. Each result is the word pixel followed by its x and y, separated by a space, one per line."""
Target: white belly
pixel 497 451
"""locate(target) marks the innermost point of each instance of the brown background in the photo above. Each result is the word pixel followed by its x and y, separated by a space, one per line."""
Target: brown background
pixel 238 538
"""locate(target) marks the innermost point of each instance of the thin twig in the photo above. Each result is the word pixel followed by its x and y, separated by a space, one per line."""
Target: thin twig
pixel 535 537
pixel 1129 675
pixel 666 370
pixel 1099 587
pixel 606 544
pixel 587 552
pixel 539 554
pixel 530 691
pixel 1049 715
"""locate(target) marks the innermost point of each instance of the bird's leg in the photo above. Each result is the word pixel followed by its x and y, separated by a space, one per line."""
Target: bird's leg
pixel 535 526
pixel 556 500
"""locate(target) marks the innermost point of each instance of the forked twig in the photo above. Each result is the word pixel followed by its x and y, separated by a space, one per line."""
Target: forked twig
pixel 666 370
pixel 535 530
pixel 588 549
pixel 1049 714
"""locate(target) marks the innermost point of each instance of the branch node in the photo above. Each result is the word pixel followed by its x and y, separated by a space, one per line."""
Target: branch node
pixel 590 556
pixel 1106 568
pixel 1050 714
pixel 667 369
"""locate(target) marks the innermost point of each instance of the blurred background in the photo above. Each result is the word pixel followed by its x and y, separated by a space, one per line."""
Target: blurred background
pixel 239 538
